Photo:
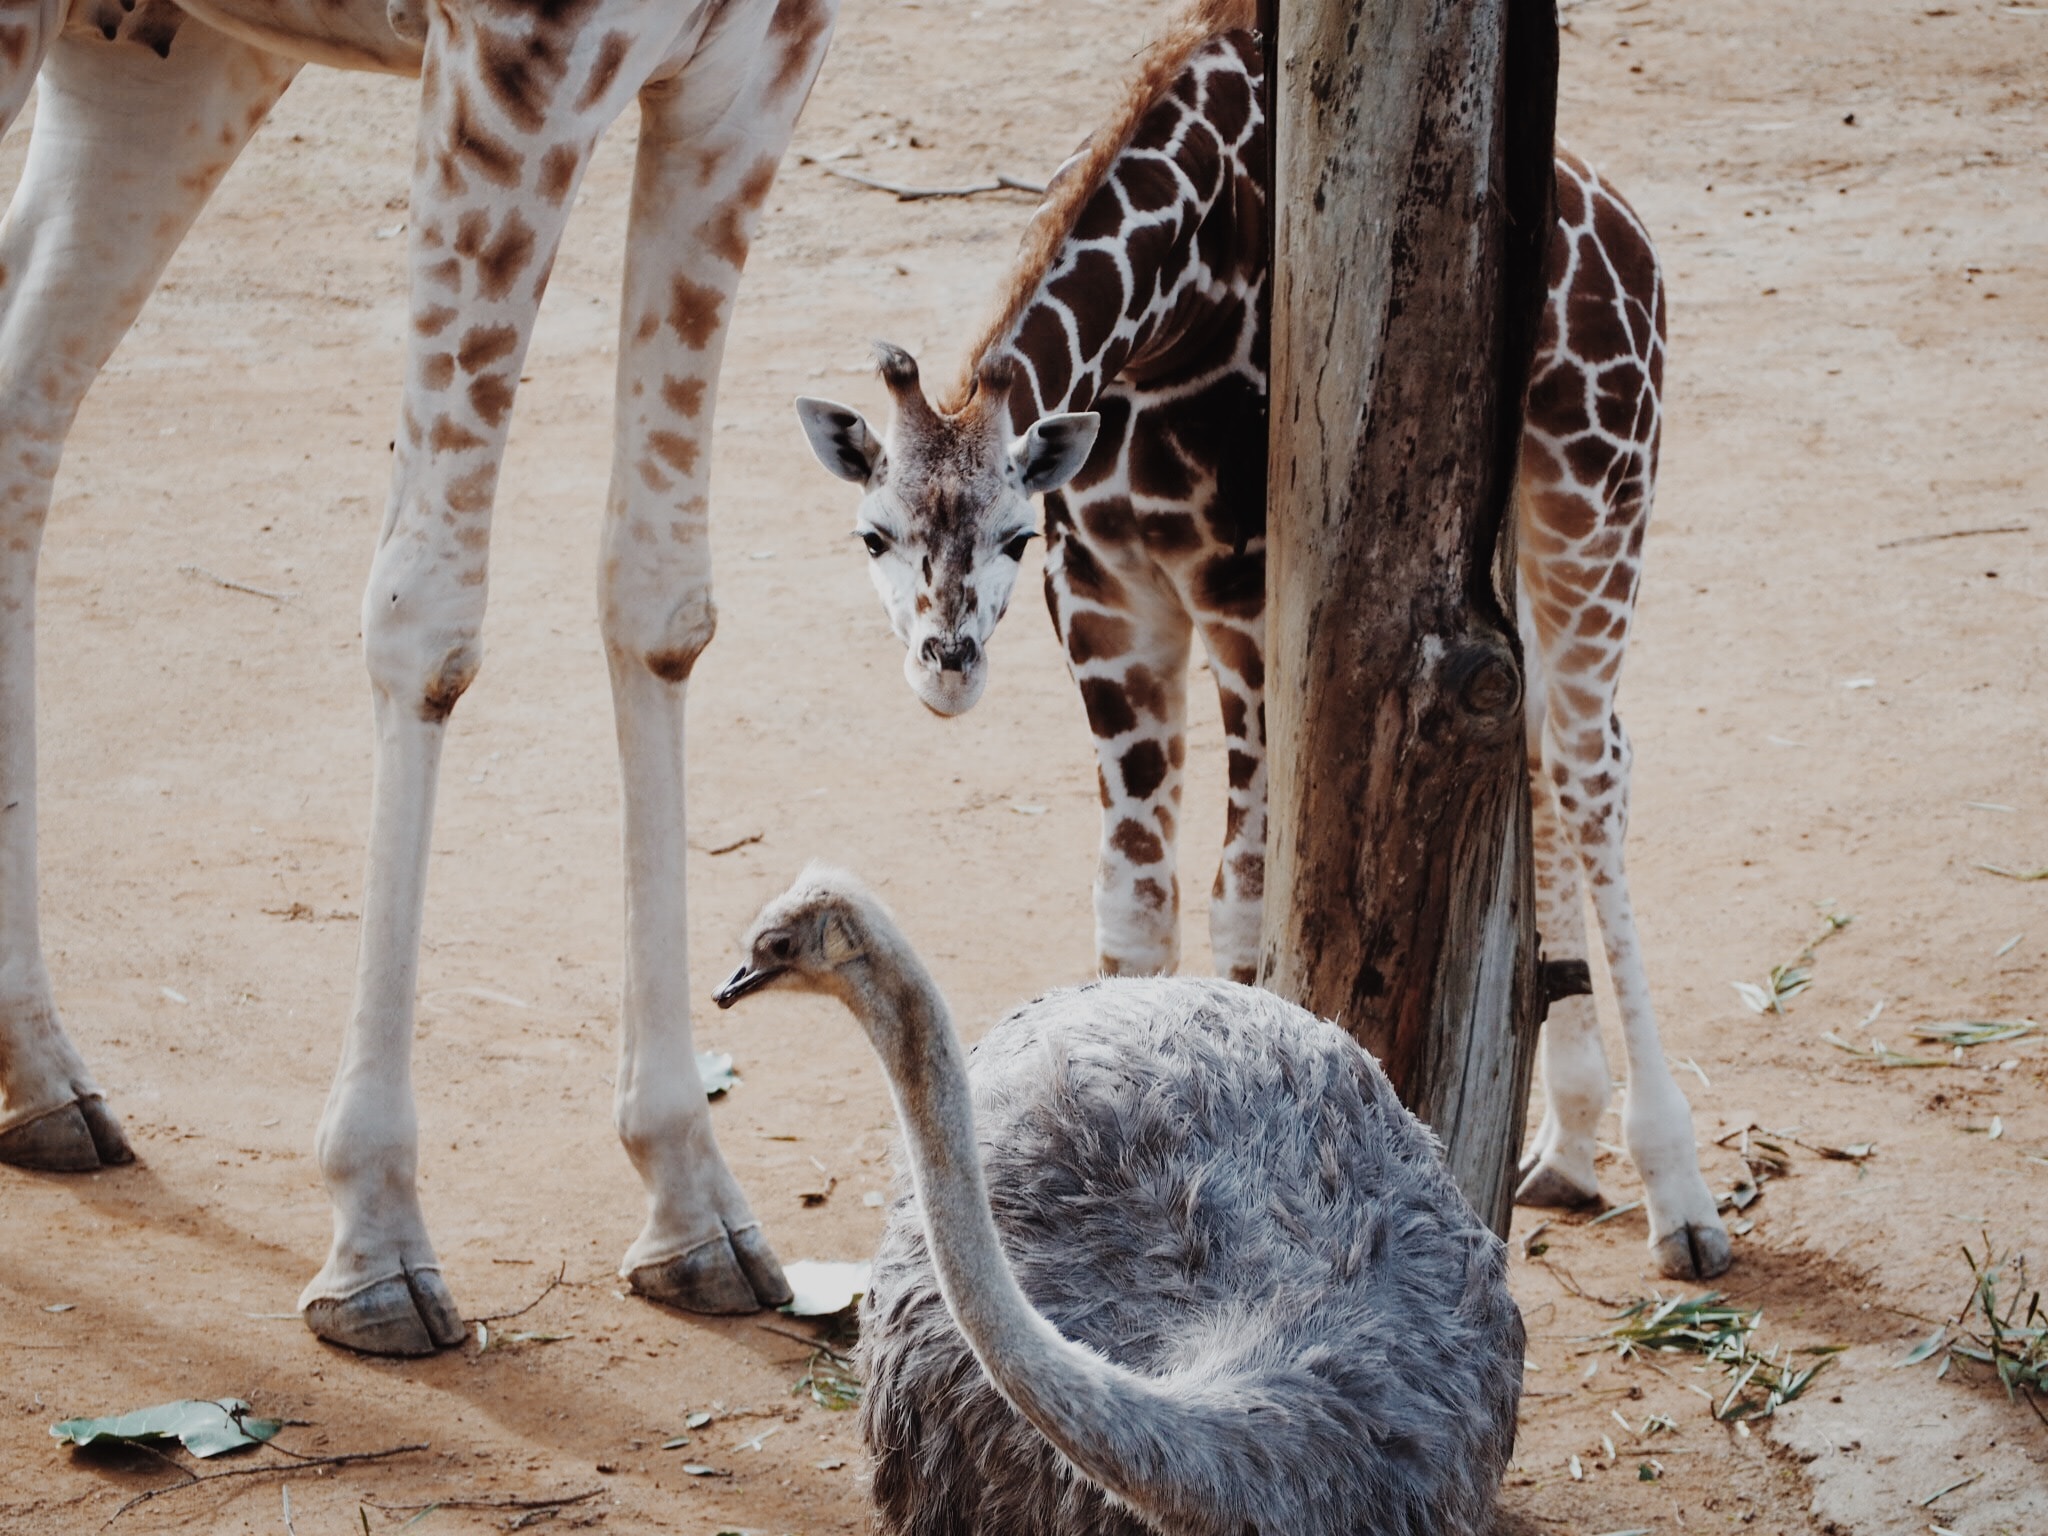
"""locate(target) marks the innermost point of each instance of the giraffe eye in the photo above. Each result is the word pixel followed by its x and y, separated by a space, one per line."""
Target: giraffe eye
pixel 877 543
pixel 1017 544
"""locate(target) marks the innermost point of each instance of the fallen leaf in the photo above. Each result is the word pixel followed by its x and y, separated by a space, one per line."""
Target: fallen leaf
pixel 203 1428
pixel 824 1287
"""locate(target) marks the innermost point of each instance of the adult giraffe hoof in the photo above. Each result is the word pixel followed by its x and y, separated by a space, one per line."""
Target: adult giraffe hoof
pixel 409 1314
pixel 1695 1251
pixel 1550 1187
pixel 734 1272
pixel 73 1138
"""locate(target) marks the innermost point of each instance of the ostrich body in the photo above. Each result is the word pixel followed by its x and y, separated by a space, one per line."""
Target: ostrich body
pixel 1175 1259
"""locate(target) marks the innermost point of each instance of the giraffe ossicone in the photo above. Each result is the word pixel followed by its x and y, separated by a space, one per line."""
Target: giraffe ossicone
pixel 144 104
pixel 1140 297
pixel 945 579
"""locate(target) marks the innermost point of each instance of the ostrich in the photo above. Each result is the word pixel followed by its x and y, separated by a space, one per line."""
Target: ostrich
pixel 1198 1271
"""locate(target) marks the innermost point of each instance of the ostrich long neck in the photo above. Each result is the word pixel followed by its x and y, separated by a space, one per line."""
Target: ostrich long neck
pixel 1118 1427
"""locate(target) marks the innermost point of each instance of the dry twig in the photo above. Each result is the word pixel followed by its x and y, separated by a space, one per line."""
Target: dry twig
pixel 904 194
pixel 302 1464
pixel 234 586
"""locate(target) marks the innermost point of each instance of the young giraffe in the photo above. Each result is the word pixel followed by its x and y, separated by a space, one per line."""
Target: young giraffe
pixel 143 107
pixel 1139 302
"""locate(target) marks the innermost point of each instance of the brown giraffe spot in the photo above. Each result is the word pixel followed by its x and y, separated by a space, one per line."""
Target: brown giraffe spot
pixel 1086 577
pixel 724 234
pixel 452 437
pixel 1568 516
pixel 1243 768
pixel 694 311
pixel 652 477
pixel 1143 768
pixel 675 449
pixel 1101 787
pixel 1233 821
pixel 471 230
pixel 558 172
pixel 471 144
pixel 1592 620
pixel 490 396
pixel 1571 200
pixel 1109 712
pixel 1539 466
pixel 499 264
pixel 1239 652
pixel 650 323
pixel 1169 533
pixel 799 23
pixel 1158 467
pixel 1233 585
pixel 1093 635
pixel 410 425
pixel 483 345
pixel 683 396
pixel 1163 814
pixel 1092 291
pixel 521 71
pixel 1250 869
pixel 1115 412
pixel 1109 522
pixel 1149 894
pixel 432 322
pixel 446 273
pixel 1044 338
pixel 1227 103
pixel 1593 322
pixel 472 493
pixel 1235 713
pixel 1137 842
pixel 437 370
pixel 604 69
pixel 1589 457
pixel 1620 399
pixel 1621 585
pixel 1146 691
pixel 1557 400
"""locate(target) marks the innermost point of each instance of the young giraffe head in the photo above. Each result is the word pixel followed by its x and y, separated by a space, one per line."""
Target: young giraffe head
pixel 946 514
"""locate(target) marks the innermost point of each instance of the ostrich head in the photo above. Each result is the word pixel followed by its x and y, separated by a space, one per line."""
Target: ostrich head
pixel 946 514
pixel 807 936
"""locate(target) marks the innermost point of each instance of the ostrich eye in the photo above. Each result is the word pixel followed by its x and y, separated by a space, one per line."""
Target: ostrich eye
pixel 781 948
pixel 1016 545
pixel 877 543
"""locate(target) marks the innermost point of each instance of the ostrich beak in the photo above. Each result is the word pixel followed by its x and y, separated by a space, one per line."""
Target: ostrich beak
pixel 742 981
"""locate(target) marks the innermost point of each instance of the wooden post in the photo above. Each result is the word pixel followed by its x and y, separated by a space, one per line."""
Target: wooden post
pixel 1413 163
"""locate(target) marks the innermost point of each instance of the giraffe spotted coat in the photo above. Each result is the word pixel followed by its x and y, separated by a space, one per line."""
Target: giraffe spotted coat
pixel 1139 302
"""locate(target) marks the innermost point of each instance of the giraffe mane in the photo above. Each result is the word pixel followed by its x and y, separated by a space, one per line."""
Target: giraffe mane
pixel 1159 65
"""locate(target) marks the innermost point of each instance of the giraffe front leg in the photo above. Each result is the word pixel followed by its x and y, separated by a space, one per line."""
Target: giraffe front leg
pixel 697 194
pixel 1687 1238
pixel 128 143
pixel 491 192
pixel 1558 1170
pixel 1237 900
pixel 1127 640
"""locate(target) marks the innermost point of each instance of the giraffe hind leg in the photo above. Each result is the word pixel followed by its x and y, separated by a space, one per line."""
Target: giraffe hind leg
pixel 104 199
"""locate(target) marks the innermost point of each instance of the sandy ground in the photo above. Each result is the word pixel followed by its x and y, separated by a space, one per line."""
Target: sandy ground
pixel 1850 196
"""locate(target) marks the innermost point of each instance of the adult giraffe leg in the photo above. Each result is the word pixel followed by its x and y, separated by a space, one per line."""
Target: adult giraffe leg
pixel 710 141
pixel 128 143
pixel 492 183
pixel 1127 639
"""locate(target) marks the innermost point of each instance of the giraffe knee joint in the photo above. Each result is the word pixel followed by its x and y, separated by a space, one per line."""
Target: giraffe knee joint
pixel 418 656
pixel 670 648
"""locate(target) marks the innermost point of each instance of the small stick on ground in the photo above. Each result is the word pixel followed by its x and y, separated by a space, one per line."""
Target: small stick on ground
pixel 904 194
pixel 1959 533
pixel 303 1464
pixel 234 586
pixel 546 1291
pixel 559 1501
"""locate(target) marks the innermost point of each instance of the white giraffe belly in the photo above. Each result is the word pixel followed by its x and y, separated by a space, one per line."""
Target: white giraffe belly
pixel 345 34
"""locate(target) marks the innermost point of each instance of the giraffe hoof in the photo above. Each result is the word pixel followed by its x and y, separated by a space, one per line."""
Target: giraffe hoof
pixel 1544 1185
pixel 735 1272
pixel 409 1314
pixel 79 1137
pixel 1696 1251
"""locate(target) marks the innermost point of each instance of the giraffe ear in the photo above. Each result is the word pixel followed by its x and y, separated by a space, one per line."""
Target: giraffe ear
pixel 841 438
pixel 1055 448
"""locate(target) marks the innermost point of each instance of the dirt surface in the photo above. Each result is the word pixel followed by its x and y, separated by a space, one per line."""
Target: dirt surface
pixel 1850 197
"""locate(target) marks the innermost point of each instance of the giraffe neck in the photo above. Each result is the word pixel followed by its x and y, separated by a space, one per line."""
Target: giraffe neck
pixel 1163 258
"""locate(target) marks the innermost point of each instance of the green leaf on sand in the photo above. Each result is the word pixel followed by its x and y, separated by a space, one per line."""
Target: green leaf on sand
pixel 203 1428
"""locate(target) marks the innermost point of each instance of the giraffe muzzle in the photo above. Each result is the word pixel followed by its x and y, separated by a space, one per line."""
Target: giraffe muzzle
pixel 959 654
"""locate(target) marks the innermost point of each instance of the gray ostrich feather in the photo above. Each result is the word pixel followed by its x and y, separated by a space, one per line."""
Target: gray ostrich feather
pixel 1261 1304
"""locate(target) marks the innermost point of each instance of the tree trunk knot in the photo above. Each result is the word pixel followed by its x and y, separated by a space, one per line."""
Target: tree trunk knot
pixel 1483 677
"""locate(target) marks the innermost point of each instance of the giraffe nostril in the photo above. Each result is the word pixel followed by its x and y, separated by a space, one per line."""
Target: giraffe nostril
pixel 959 655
